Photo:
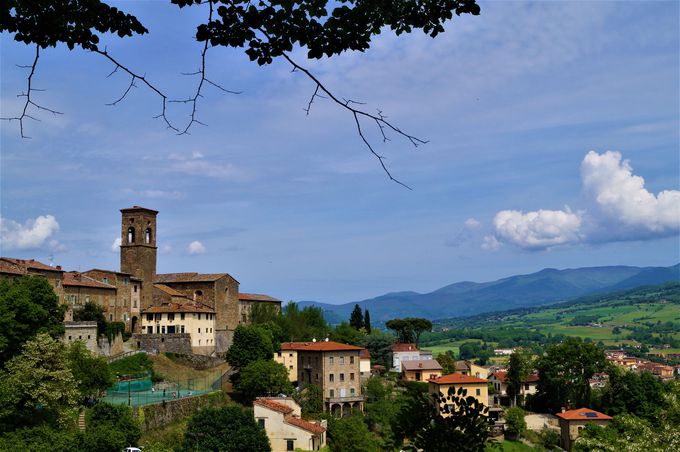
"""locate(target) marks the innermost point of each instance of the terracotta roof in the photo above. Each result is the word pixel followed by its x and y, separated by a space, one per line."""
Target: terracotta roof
pixel 531 378
pixel 273 405
pixel 583 414
pixel 364 354
pixel 306 425
pixel 169 290
pixel 101 270
pixel 188 277
pixel 32 263
pixel 321 346
pixel 421 364
pixel 404 347
pixel 500 376
pixel 257 297
pixel 462 365
pixel 452 379
pixel 79 280
pixel 11 268
pixel 178 307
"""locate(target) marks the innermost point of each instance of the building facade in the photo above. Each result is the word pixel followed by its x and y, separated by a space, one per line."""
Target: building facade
pixel 420 370
pixel 572 422
pixel 475 387
pixel 287 431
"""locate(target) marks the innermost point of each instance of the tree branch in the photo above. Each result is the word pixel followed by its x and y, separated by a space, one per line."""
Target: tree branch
pixel 379 118
pixel 27 95
pixel 201 71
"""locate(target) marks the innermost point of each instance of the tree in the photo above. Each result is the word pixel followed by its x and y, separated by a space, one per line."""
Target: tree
pixel 42 438
pixel 409 329
pixel 92 372
pixel 263 313
pixel 302 324
pixel 262 378
pixel 251 343
pixel 356 319
pixel 28 307
pixel 379 345
pixel 117 418
pixel 367 322
pixel 629 392
pixel 91 312
pixel 310 400
pixel 346 334
pixel 519 367
pixel 514 421
pixel 37 386
pixel 447 362
pixel 206 431
pixel 565 371
pixel 266 30
pixel 350 434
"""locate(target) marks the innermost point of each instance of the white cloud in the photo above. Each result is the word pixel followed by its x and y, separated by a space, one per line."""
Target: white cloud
pixel 34 233
pixel 490 243
pixel 536 230
pixel 472 223
pixel 198 165
pixel 115 246
pixel 619 208
pixel 165 249
pixel 465 233
pixel 196 247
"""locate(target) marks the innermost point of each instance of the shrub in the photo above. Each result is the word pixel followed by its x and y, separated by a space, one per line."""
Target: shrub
pixel 514 421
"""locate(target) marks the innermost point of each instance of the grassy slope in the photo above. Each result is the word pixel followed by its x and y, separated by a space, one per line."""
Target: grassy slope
pixel 172 371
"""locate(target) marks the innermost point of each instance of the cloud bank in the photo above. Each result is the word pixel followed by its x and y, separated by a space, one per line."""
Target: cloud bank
pixel 619 207
pixel 34 233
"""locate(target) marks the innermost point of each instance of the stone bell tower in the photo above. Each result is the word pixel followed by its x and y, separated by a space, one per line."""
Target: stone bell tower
pixel 138 248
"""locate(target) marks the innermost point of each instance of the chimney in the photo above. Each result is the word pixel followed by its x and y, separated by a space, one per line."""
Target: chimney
pixel 58 267
pixel 564 409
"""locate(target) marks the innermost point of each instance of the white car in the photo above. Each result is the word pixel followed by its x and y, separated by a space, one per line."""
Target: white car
pixel 132 449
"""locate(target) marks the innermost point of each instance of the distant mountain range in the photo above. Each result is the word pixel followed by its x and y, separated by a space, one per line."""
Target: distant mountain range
pixel 469 298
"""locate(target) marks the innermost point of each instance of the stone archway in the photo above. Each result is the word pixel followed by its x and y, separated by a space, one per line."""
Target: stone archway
pixel 133 324
pixel 336 410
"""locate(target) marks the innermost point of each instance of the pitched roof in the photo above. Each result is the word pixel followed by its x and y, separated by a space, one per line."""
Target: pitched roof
pixel 452 379
pixel 11 268
pixel 169 290
pixel 133 208
pixel 76 279
pixel 188 277
pixel 583 414
pixel 102 270
pixel 404 347
pixel 32 263
pixel 421 364
pixel 500 376
pixel 273 405
pixel 257 297
pixel 178 307
pixel 305 425
pixel 322 346
pixel 364 354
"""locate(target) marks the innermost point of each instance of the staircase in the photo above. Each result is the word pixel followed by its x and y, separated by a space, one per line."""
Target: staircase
pixel 81 421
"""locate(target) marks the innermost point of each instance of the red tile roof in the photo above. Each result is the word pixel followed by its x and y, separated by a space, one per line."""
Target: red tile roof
pixel 257 297
pixel 11 268
pixel 500 376
pixel 188 277
pixel 273 405
pixel 321 346
pixel 32 263
pixel 452 379
pixel 583 414
pixel 364 354
pixel 178 307
pixel 76 279
pixel 169 290
pixel 306 425
pixel 421 364
pixel 404 347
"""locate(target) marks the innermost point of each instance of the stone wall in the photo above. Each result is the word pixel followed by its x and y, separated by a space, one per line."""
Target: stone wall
pixel 81 331
pixel 156 416
pixel 175 343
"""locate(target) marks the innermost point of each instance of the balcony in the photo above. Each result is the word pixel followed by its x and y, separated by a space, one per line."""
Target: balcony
pixel 351 398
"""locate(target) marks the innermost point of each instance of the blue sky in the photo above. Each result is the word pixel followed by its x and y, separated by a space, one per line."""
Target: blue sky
pixel 512 102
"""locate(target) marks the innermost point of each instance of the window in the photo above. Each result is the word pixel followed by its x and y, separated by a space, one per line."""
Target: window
pixel 243 318
pixel 351 376
pixel 135 288
pixel 260 422
pixel 125 281
pixel 69 338
pixel 351 391
pixel 342 360
pixel 158 329
pixel 279 354
pixel 181 329
pixel 149 317
pixel 351 359
pixel 110 317
pixel 290 444
pixel 199 342
pixel 88 336
pixel 171 316
pixel 526 386
pixel 105 279
pixel 199 331
pixel 171 329
pixel 158 317
pixel 149 330
pixel 290 355
pixel 331 393
pixel 330 360
pixel 342 377
pixel 199 316
pixel 291 368
pixel 331 377
pixel 181 316
pixel 163 329
pixel 478 391
pixel 131 235
pixel 317 375
pixel 147 235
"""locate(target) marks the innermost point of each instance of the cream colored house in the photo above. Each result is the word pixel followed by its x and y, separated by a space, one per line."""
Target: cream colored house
pixel 573 421
pixel 288 357
pixel 404 352
pixel 194 319
pixel 365 364
pixel 286 430
pixel 476 387
pixel 421 370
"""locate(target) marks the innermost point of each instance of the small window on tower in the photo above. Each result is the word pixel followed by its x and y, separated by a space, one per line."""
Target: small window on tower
pixel 131 235
pixel 147 235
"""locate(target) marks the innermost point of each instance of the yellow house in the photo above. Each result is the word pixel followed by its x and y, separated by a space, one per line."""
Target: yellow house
pixel 288 357
pixel 171 319
pixel 470 368
pixel 476 387
pixel 420 370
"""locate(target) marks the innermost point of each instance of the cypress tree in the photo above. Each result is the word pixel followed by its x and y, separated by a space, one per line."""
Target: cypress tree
pixel 356 320
pixel 367 321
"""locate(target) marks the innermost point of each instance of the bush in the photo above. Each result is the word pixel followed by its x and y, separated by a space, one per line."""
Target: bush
pixel 514 421
pixel 261 378
pixel 118 418
pixel 549 438
pixel 227 429
pixel 134 365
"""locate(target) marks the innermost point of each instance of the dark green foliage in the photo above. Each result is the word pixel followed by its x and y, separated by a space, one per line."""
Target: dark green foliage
pixel 367 322
pixel 549 438
pixel 92 372
pixel 303 325
pixel 91 312
pixel 310 400
pixel 251 343
pixel 104 438
pixel 346 334
pixel 519 367
pixel 379 345
pixel 409 329
pixel 117 418
pixel 447 361
pixel 629 392
pixel 356 319
pixel 514 421
pixel 565 372
pixel 261 313
pixel 415 413
pixel 40 439
pixel 466 428
pixel 28 306
pixel 350 434
pixel 133 365
pixel 482 352
pixel 227 429
pixel 263 378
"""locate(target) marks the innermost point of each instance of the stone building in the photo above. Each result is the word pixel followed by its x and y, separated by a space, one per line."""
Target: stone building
pixel 573 421
pixel 82 331
pixel 246 301
pixel 13 268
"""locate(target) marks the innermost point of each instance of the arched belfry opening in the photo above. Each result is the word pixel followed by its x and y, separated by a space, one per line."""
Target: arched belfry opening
pixel 148 235
pixel 131 235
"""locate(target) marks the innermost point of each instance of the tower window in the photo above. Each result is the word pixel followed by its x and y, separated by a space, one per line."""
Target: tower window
pixel 147 235
pixel 197 295
pixel 131 235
